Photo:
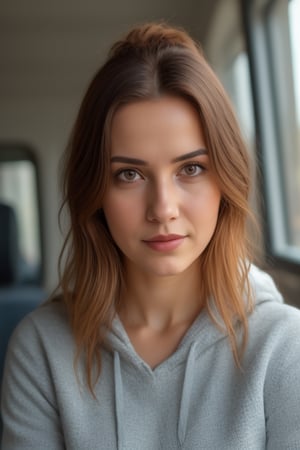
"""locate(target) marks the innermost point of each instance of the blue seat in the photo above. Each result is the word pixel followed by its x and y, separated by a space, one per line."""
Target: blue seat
pixel 16 298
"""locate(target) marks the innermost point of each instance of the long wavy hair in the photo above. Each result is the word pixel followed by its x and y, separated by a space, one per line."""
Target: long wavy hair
pixel 152 60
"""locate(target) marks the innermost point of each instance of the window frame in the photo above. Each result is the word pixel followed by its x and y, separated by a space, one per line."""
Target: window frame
pixel 15 151
pixel 259 31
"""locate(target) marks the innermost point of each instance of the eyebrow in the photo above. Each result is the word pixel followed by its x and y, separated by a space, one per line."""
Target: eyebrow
pixel 141 162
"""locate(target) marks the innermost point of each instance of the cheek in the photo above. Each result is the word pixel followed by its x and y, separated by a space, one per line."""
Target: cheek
pixel 121 214
pixel 204 206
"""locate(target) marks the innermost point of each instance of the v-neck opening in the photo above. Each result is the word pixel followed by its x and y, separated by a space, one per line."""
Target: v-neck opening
pixel 170 360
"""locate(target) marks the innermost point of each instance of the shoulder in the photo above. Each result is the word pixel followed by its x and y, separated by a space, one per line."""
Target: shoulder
pixel 274 342
pixel 274 326
pixel 37 362
pixel 47 318
pixel 271 316
pixel 263 286
pixel 43 330
pixel 270 310
pixel 278 320
pixel 273 356
pixel 41 345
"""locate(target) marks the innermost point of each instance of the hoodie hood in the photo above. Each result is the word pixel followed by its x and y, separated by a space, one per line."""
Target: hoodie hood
pixel 201 335
pixel 202 329
pixel 263 287
pixel 196 399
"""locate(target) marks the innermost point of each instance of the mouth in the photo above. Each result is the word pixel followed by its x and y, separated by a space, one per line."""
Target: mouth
pixel 165 238
pixel 165 243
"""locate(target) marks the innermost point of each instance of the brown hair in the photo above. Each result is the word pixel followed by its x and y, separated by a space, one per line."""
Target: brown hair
pixel 151 61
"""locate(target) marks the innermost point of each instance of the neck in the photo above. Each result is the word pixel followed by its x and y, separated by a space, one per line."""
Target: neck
pixel 161 302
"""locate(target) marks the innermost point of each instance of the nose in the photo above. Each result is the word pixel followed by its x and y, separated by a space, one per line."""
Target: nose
pixel 163 202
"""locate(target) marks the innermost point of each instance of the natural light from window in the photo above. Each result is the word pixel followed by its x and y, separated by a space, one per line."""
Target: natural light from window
pixel 294 18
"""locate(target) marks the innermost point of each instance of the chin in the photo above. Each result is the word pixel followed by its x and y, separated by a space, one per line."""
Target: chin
pixel 167 270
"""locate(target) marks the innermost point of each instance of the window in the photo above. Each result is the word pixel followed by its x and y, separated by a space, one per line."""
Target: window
pixel 18 189
pixel 274 40
pixel 284 56
pixel 241 95
pixel 294 211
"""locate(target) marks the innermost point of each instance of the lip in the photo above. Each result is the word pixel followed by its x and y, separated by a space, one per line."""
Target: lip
pixel 164 243
pixel 164 238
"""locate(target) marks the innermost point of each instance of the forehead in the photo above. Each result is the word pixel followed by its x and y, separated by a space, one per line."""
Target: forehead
pixel 165 123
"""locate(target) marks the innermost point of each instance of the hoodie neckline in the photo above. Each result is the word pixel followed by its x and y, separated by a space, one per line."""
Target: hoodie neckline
pixel 202 333
pixel 200 336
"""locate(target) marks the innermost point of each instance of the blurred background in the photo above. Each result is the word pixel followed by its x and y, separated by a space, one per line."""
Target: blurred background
pixel 49 52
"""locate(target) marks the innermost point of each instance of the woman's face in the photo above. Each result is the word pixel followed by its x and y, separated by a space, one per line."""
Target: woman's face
pixel 163 200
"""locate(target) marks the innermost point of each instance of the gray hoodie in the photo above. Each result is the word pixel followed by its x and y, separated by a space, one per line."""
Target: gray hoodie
pixel 196 399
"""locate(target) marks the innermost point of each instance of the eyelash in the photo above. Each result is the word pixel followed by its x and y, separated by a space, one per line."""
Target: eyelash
pixel 124 171
pixel 194 164
pixel 121 172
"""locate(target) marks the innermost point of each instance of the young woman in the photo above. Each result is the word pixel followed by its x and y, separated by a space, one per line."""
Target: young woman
pixel 164 335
